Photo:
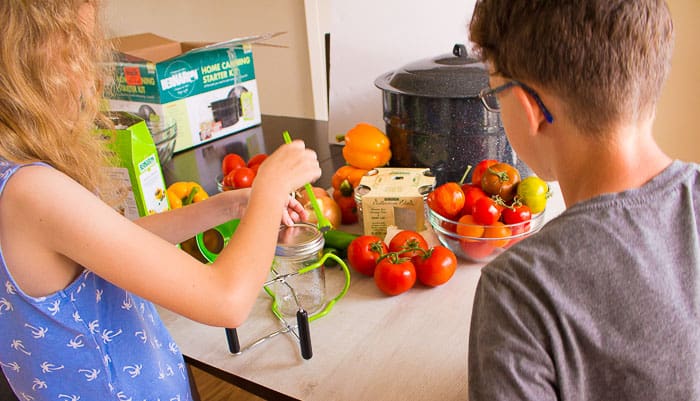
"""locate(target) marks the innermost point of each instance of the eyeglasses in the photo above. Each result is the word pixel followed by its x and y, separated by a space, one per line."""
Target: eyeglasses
pixel 490 101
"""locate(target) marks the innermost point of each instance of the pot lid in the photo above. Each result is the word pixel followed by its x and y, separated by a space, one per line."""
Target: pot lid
pixel 451 75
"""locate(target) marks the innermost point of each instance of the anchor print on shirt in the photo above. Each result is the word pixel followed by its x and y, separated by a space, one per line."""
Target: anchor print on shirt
pixel 69 397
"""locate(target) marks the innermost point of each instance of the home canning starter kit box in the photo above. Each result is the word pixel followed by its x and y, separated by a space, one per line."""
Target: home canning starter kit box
pixel 209 90
pixel 137 173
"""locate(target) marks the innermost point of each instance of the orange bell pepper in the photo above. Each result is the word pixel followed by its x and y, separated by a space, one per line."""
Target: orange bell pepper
pixel 348 173
pixel 344 182
pixel 366 147
pixel 183 193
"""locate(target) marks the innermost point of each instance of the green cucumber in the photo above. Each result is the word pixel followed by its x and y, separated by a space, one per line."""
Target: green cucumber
pixel 338 240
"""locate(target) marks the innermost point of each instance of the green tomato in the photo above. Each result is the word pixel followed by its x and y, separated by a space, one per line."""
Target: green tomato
pixel 533 192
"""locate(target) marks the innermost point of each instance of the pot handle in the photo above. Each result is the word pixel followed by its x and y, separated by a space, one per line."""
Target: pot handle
pixel 460 50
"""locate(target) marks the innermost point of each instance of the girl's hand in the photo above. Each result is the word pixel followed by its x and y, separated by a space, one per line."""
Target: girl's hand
pixel 288 168
pixel 293 212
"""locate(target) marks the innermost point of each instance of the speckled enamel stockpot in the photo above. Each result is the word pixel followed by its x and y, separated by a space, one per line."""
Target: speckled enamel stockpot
pixel 434 117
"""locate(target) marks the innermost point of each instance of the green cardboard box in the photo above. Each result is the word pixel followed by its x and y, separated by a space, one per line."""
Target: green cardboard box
pixel 138 173
pixel 209 90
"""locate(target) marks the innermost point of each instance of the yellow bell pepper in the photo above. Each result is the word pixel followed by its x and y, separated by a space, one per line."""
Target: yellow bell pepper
pixel 183 193
pixel 366 147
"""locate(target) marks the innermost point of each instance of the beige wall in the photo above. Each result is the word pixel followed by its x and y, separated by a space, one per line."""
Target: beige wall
pixel 284 80
pixel 676 128
pixel 284 73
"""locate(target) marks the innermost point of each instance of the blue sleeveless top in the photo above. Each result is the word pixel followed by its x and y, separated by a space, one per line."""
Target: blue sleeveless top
pixel 91 341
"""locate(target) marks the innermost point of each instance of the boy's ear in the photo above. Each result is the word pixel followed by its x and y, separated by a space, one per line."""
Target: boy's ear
pixel 533 113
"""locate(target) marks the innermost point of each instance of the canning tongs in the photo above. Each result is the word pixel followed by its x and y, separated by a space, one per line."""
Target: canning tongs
pixel 302 332
pixel 303 319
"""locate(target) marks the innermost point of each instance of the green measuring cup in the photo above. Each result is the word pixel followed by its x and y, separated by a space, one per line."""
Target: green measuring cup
pixel 212 241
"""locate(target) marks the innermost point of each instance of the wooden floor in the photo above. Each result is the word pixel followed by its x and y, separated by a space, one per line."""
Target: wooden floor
pixel 211 388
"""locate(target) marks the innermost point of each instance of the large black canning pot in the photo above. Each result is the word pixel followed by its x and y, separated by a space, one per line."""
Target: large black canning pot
pixel 434 117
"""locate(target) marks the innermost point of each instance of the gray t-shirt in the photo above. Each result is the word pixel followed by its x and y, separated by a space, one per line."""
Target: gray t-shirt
pixel 602 304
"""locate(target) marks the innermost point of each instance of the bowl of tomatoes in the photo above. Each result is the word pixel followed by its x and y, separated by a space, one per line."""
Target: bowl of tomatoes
pixel 478 243
pixel 237 173
pixel 480 219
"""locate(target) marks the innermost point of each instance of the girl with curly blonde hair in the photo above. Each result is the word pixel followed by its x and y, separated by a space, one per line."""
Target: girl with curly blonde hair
pixel 79 279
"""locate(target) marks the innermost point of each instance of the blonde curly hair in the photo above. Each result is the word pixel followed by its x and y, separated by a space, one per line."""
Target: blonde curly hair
pixel 53 72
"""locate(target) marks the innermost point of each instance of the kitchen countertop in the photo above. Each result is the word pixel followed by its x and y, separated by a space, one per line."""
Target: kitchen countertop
pixel 370 346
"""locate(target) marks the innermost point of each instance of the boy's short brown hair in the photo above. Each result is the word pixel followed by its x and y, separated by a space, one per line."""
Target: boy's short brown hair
pixel 605 59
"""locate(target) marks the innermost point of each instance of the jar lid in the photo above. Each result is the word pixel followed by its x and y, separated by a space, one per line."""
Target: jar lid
pixel 298 239
pixel 452 75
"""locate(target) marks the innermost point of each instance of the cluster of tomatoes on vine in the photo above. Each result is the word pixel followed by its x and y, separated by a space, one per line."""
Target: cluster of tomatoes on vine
pixel 495 203
pixel 406 259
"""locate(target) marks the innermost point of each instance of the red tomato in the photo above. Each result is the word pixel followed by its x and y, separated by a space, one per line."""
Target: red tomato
pixel 479 171
pixel 363 253
pixel 471 194
pixel 516 214
pixel 476 250
pixel 497 230
pixel 395 275
pixel 485 211
pixel 501 179
pixel 437 267
pixel 231 162
pixel 447 200
pixel 243 177
pixel 468 227
pixel 408 239
pixel 257 159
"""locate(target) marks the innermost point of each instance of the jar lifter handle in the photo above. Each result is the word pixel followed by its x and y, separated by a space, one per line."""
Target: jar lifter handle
pixel 304 334
pixel 234 346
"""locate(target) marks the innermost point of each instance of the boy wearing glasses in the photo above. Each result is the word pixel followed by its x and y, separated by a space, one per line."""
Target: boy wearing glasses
pixel 604 302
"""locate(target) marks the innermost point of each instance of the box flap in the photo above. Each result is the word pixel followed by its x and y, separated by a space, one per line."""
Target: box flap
pixel 253 39
pixel 148 46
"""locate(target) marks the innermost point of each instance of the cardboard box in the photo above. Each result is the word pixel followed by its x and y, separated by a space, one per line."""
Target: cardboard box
pixel 392 196
pixel 138 174
pixel 208 90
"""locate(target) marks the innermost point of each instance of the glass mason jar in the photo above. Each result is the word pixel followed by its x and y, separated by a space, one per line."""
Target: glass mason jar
pixel 298 246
